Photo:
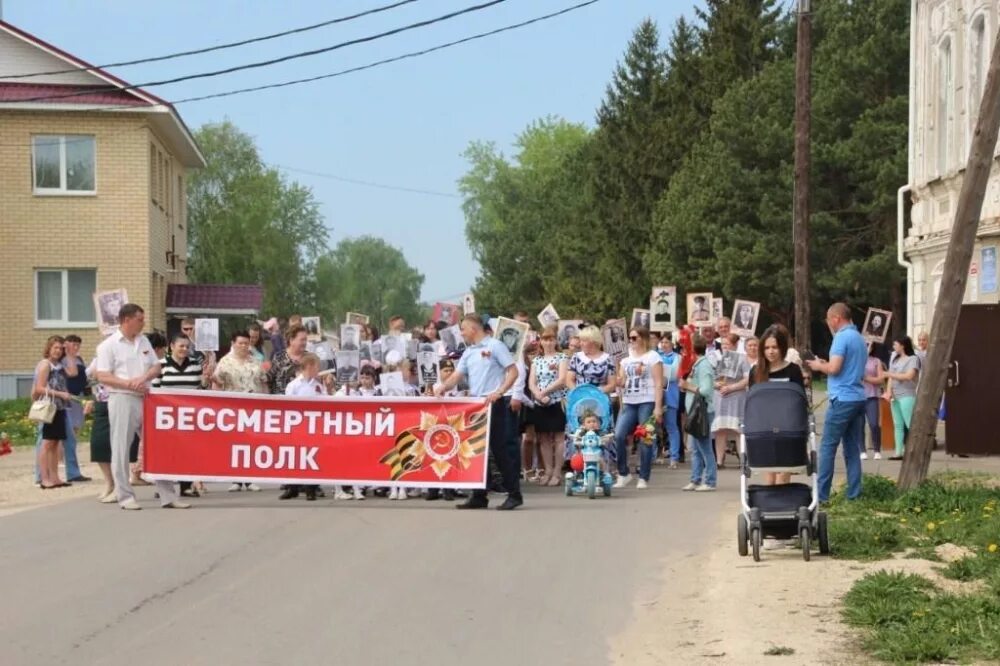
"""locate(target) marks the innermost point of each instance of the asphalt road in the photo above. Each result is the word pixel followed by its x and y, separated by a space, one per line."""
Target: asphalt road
pixel 245 579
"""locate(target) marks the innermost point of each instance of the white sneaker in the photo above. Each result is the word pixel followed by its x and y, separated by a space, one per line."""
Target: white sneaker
pixel 704 488
pixel 341 495
pixel 393 493
pixel 690 486
pixel 110 498
pixel 235 488
pixel 623 481
pixel 358 495
pixel 641 485
pixel 864 455
pixel 401 495
pixel 176 505
pixel 253 487
pixel 130 505
pixel 877 456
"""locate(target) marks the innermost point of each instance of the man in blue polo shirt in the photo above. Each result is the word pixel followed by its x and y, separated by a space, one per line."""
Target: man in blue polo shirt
pixel 845 415
pixel 490 370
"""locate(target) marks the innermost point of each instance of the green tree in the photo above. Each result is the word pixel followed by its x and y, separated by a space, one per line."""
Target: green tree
pixel 522 216
pixel 247 225
pixel 368 275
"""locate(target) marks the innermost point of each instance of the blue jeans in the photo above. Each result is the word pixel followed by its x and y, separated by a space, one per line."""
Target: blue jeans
pixel 69 453
pixel 630 417
pixel 704 468
pixel 872 415
pixel 673 433
pixel 844 421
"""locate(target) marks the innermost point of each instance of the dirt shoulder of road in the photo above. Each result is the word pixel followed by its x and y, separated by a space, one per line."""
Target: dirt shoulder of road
pixel 715 607
pixel 17 489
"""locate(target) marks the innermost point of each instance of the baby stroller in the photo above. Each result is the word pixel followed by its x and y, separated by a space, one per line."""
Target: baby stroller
pixel 778 434
pixel 591 446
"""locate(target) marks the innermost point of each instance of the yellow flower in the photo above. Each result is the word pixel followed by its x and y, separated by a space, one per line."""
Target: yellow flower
pixel 902 521
pixel 931 527
pixel 992 548
pixel 916 509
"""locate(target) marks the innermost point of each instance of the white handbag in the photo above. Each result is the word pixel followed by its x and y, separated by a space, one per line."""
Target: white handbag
pixel 42 410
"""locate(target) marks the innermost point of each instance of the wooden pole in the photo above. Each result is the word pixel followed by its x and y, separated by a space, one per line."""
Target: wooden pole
pixel 956 271
pixel 803 165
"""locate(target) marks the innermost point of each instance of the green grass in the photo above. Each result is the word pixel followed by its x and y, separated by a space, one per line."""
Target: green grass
pixel 14 421
pixel 905 617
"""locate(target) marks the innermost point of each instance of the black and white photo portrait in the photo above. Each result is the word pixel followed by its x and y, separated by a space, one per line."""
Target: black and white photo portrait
pixel 427 362
pixel 206 335
pixel 640 318
pixel 106 305
pixel 313 330
pixel 513 334
pixel 615 338
pixel 876 327
pixel 568 328
pixel 745 315
pixel 662 306
pixel 350 337
pixel 699 308
pixel 348 366
pixel 548 316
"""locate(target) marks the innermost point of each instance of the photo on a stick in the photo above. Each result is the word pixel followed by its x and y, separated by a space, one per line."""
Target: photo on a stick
pixel 876 327
pixel 106 305
pixel 745 314
pixel 663 307
pixel 640 318
pixel 699 308
pixel 313 331
pixel 513 334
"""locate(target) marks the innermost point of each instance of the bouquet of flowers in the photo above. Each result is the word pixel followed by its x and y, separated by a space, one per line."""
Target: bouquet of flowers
pixel 645 432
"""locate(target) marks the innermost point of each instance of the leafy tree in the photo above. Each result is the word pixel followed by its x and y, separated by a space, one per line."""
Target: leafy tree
pixel 522 214
pixel 247 225
pixel 368 275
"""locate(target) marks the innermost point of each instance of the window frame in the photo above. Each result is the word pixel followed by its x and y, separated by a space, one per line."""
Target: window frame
pixel 64 304
pixel 945 106
pixel 60 191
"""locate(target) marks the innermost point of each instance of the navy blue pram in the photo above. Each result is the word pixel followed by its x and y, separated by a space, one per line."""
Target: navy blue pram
pixel 778 434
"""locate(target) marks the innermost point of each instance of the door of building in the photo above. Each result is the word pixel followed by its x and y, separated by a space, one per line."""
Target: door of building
pixel 973 378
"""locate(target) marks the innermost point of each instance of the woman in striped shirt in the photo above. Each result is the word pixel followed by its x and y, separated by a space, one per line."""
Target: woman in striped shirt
pixel 179 371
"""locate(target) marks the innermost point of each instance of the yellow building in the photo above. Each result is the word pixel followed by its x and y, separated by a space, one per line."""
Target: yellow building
pixel 92 198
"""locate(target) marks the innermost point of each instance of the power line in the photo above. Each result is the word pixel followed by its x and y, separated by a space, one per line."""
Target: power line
pixel 220 47
pixel 365 183
pixel 379 63
pixel 274 61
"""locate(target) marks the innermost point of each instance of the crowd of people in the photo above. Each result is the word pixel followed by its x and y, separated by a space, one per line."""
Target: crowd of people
pixel 527 394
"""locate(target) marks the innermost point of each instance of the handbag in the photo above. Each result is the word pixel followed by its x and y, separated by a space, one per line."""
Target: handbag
pixel 697 424
pixel 43 410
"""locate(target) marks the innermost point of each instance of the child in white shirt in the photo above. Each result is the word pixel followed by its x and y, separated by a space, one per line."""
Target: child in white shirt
pixel 308 384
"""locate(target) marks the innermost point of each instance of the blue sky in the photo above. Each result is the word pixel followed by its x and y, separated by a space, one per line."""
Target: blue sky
pixel 404 124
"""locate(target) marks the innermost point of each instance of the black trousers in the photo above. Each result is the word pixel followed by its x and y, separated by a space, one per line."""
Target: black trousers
pixel 499 450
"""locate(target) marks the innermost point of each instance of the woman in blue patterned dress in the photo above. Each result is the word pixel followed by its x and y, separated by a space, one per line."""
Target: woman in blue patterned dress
pixel 591 365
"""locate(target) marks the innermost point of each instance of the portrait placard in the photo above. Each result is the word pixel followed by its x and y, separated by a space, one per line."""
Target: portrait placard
pixel 568 328
pixel 513 334
pixel 876 326
pixel 663 307
pixel 427 364
pixel 615 339
pixel 548 316
pixel 640 319
pixel 699 309
pixel 745 314
pixel 348 366
pixel 313 331
pixel 357 318
pixel 206 335
pixel 106 306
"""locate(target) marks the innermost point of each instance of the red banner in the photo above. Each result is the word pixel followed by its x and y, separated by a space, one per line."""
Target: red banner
pixel 413 442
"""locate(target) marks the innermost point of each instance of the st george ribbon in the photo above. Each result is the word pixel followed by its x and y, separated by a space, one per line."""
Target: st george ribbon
pixel 382 441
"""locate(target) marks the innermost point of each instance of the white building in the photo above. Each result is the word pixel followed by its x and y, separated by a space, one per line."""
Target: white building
pixel 950 46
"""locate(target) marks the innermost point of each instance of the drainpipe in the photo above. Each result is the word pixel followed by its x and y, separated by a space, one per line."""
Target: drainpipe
pixel 901 253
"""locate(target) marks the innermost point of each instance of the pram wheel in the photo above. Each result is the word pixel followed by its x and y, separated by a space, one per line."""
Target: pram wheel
pixel 805 538
pixel 821 534
pixel 755 541
pixel 742 535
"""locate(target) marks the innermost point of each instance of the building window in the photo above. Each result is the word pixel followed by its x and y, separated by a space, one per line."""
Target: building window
pixel 946 101
pixel 65 297
pixel 978 65
pixel 64 164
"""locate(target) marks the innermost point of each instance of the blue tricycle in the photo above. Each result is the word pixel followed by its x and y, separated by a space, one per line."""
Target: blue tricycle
pixel 586 401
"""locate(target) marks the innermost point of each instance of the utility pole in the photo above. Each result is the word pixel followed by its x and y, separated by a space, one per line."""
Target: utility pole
pixel 803 164
pixel 956 271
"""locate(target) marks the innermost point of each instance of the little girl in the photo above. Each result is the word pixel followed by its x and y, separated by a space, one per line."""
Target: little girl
pixel 307 383
pixel 365 389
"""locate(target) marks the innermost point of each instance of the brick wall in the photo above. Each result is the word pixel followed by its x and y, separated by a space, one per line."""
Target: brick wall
pixel 110 231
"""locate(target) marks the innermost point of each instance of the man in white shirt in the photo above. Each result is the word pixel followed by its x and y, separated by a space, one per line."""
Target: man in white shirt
pixel 126 365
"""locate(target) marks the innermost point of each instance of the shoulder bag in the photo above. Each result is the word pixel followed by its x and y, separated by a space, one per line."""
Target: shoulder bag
pixel 697 424
pixel 42 410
